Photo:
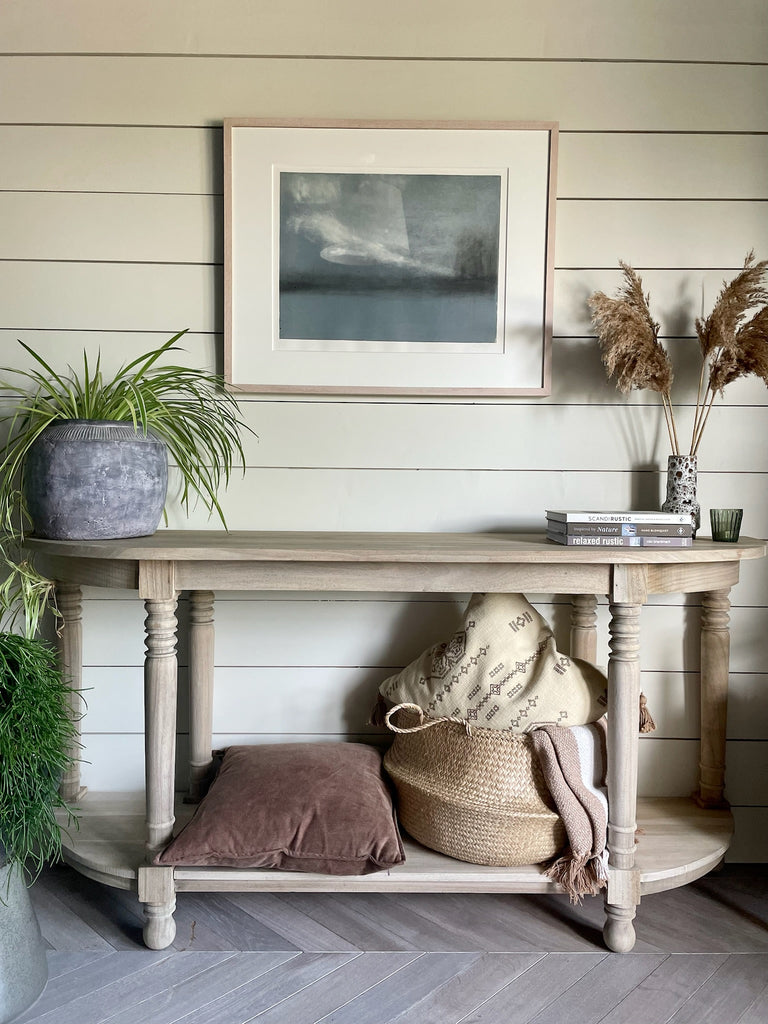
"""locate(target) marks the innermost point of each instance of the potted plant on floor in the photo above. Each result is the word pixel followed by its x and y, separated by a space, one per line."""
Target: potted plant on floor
pixel 37 746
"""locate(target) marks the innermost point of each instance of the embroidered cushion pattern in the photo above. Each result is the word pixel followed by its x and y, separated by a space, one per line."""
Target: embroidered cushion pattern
pixel 501 670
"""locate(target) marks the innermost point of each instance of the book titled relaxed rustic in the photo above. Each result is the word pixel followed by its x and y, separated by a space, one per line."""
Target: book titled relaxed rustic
pixel 618 542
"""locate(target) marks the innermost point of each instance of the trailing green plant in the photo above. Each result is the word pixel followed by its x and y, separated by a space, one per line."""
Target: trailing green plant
pixel 732 343
pixel 38 744
pixel 188 408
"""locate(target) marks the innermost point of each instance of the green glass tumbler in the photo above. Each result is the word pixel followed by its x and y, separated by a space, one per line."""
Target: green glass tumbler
pixel 726 523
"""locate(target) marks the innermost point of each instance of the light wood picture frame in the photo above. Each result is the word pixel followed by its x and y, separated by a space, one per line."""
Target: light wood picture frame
pixel 389 257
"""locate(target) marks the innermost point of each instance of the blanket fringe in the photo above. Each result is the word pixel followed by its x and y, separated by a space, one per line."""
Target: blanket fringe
pixel 579 877
pixel 647 723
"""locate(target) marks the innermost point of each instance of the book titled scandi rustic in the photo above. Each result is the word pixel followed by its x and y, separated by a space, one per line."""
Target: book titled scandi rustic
pixel 618 517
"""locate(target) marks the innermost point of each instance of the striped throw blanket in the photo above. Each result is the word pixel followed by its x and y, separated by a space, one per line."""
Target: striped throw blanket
pixel 573 762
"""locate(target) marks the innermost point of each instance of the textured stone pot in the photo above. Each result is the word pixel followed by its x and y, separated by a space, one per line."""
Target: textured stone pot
pixel 681 488
pixel 95 480
pixel 23 964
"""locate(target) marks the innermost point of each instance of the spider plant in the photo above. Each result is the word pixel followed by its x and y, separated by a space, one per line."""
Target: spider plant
pixel 187 408
pixel 37 745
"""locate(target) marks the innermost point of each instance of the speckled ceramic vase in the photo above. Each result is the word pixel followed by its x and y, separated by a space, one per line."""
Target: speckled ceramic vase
pixel 681 488
pixel 95 480
pixel 23 964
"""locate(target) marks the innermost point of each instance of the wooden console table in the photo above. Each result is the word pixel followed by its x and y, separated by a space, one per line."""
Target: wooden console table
pixel 681 839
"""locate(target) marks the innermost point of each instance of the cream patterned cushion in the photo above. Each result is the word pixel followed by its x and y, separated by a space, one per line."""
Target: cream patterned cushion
pixel 501 670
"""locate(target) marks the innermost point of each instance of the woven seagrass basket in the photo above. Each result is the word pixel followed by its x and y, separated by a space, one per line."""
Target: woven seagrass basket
pixel 477 796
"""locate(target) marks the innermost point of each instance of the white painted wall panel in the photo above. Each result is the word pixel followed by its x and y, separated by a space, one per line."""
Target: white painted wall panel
pixel 103 158
pixel 595 165
pixel 591 165
pixel 201 91
pixel 654 29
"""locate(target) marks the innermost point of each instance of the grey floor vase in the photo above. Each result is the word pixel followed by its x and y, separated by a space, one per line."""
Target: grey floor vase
pixel 23 964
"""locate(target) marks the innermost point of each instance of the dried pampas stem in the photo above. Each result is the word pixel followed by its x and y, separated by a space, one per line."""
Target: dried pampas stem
pixel 731 345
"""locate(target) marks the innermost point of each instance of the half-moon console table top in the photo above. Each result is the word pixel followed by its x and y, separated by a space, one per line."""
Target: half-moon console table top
pixel 681 839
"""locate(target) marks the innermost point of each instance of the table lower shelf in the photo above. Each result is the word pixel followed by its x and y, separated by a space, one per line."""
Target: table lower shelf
pixel 679 842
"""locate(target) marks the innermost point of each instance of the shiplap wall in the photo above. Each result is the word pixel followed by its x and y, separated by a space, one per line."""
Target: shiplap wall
pixel 111 236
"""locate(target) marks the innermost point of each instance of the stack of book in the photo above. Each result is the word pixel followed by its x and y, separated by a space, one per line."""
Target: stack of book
pixel 620 529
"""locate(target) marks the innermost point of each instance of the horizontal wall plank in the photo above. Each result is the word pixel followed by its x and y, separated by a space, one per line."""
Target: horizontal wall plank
pixel 93 296
pixel 103 158
pixel 331 699
pixel 414 436
pixel 577 375
pixel 201 91
pixel 596 165
pixel 115 348
pixel 174 228
pixel 347 634
pixel 124 227
pixel 109 296
pixel 688 30
pixel 189 161
pixel 591 233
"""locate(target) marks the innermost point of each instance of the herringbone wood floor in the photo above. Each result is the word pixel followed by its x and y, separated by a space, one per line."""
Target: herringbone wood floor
pixel 701 956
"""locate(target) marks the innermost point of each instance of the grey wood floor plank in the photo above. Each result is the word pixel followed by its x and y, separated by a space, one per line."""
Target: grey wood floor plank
pixel 535 989
pixel 609 981
pixel 458 997
pixel 176 1001
pixel 339 913
pixel 62 925
pixel 728 994
pixel 90 978
pixel 332 991
pixel 60 963
pixel 757 1013
pixel 298 928
pixel 689 920
pixel 505 924
pixel 399 915
pixel 390 998
pixel 241 930
pixel 100 1004
pixel 663 992
pixel 98 907
pixel 251 999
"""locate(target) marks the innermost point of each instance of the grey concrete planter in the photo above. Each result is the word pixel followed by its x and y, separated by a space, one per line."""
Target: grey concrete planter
pixel 95 480
pixel 23 964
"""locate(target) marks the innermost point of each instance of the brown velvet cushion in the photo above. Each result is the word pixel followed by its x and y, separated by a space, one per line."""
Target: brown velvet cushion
pixel 295 806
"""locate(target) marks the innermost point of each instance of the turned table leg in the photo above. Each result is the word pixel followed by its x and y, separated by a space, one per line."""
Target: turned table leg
pixel 201 668
pixel 584 627
pixel 160 680
pixel 623 697
pixel 715 651
pixel 69 599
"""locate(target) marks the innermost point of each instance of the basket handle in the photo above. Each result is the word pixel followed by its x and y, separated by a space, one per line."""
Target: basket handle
pixel 422 724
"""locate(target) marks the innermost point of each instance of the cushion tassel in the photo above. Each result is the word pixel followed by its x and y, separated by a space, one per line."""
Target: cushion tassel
pixel 378 712
pixel 647 723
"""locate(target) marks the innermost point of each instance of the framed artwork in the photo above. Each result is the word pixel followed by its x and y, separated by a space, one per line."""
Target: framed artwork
pixel 398 257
